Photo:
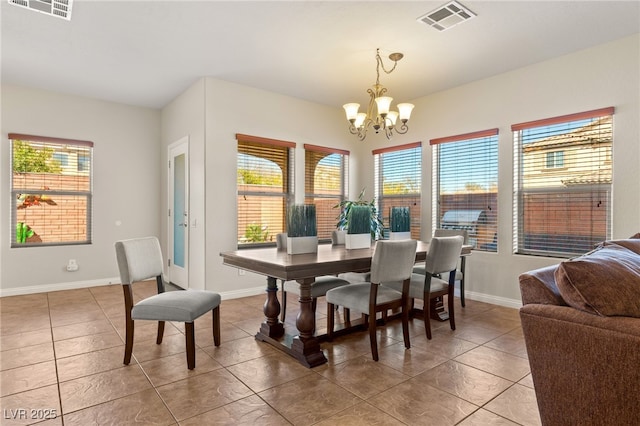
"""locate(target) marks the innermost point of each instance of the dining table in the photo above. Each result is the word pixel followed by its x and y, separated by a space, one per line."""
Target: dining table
pixel 303 268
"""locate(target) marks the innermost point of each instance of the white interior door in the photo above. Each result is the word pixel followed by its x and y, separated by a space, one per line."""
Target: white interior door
pixel 178 244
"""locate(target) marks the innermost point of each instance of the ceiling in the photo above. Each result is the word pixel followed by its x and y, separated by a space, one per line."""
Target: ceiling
pixel 145 53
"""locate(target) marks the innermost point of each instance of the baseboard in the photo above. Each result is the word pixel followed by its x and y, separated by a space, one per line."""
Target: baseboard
pixel 46 288
pixel 237 294
pixel 17 291
pixel 227 295
pixel 494 300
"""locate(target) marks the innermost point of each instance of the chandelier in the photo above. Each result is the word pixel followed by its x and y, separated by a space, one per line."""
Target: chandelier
pixel 378 114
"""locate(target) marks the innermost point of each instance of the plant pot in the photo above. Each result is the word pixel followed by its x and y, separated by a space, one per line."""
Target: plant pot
pixel 399 235
pixel 357 241
pixel 301 245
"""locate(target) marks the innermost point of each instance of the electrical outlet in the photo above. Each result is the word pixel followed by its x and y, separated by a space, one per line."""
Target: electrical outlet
pixel 72 265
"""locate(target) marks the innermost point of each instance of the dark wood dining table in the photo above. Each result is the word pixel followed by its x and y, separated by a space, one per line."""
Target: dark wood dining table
pixel 303 268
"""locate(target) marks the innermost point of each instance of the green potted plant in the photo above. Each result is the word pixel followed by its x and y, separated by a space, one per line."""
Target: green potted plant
pixel 375 224
pixel 359 227
pixel 400 223
pixel 302 232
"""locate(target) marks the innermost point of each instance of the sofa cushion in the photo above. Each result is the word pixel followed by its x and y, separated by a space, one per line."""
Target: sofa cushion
pixel 605 281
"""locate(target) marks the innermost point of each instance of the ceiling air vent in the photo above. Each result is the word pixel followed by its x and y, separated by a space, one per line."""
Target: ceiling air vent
pixel 57 8
pixel 447 16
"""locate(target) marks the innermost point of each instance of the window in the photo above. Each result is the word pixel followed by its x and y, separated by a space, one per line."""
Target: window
pixel 51 196
pixel 465 186
pixel 398 180
pixel 555 160
pixel 325 177
pixel 563 211
pixel 265 188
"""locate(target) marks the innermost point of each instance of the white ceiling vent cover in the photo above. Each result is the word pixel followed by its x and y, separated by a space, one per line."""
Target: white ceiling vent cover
pixel 57 8
pixel 447 16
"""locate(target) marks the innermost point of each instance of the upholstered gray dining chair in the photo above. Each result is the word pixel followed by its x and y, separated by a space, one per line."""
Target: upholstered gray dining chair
pixel 460 271
pixel 320 286
pixel 392 262
pixel 140 259
pixel 442 259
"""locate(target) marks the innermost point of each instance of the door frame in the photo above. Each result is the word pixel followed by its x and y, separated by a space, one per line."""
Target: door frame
pixel 177 275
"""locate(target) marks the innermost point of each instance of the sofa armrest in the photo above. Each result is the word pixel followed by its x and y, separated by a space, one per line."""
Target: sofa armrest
pixel 584 367
pixel 539 286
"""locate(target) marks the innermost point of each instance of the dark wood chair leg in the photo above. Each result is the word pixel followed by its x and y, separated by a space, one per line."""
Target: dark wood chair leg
pixel 189 334
pixel 347 315
pixel 452 321
pixel 462 270
pixel 426 309
pixel 372 336
pixel 128 347
pixel 330 320
pixel 405 327
pixel 160 332
pixel 216 326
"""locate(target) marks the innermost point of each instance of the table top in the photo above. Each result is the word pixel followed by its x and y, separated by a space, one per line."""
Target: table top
pixel 329 260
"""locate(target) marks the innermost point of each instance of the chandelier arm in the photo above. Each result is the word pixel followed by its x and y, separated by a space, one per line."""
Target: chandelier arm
pixel 402 129
pixel 388 132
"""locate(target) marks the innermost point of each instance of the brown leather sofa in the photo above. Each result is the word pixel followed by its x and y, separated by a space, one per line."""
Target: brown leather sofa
pixel 581 323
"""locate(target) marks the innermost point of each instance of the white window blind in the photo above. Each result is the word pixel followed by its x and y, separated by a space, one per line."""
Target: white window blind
pixel 465 186
pixel 563 178
pixel 265 187
pixel 326 172
pixel 51 191
pixel 398 180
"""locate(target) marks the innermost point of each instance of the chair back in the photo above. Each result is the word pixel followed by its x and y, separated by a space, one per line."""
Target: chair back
pixel 393 260
pixel 443 254
pixel 440 232
pixel 338 237
pixel 281 241
pixel 139 259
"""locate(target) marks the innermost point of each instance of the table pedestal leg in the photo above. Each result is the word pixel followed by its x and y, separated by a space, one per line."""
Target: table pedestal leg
pixel 272 327
pixel 437 310
pixel 305 346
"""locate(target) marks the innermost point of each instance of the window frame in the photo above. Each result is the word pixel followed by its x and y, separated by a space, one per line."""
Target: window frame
pixel 287 194
pixel 602 190
pixel 380 197
pixel 15 191
pixel 490 214
pixel 344 181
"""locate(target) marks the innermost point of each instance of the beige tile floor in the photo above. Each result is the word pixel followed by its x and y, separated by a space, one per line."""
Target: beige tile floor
pixel 61 357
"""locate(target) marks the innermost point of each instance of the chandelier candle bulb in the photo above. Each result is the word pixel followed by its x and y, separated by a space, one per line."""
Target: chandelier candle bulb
pixel 391 118
pixel 352 111
pixel 405 111
pixel 383 103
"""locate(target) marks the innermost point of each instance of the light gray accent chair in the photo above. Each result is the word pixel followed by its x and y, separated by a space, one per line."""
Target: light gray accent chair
pixel 392 262
pixel 442 260
pixel 460 271
pixel 318 289
pixel 140 259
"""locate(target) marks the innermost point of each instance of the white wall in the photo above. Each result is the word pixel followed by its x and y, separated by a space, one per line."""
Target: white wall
pixel 126 185
pixel 603 76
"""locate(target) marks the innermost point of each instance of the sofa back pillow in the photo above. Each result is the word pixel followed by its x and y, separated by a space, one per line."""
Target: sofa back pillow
pixel 632 244
pixel 605 281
